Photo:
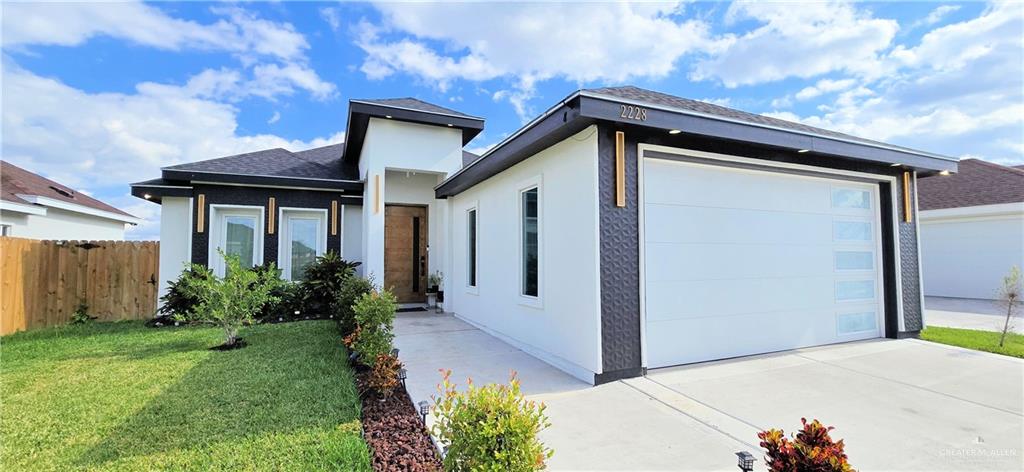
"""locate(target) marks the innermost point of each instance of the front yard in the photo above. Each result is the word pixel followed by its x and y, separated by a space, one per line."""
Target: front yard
pixel 126 397
pixel 977 340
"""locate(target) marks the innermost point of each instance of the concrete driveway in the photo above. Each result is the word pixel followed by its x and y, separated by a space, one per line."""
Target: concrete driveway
pixel 899 405
pixel 968 313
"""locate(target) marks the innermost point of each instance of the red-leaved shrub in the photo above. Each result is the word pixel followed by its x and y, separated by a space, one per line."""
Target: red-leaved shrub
pixel 810 450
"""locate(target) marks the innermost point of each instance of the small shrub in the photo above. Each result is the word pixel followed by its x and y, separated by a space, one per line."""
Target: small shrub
pixel 81 314
pixel 375 317
pixel 384 374
pixel 490 428
pixel 180 299
pixel 233 300
pixel 811 449
pixel 352 289
pixel 322 279
pixel 289 298
pixel 1009 295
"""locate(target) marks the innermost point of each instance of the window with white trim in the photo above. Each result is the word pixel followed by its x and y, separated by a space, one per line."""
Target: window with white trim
pixel 236 231
pixel 303 237
pixel 471 246
pixel 529 225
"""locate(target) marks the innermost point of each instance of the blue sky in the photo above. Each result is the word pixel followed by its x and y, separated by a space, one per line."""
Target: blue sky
pixel 98 95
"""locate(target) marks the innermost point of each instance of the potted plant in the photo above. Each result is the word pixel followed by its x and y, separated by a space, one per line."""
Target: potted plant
pixel 434 282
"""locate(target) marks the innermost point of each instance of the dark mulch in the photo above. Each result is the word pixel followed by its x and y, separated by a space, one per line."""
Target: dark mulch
pixel 392 428
pixel 239 343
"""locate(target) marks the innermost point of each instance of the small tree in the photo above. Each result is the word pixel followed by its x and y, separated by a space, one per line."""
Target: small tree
pixel 812 449
pixel 234 299
pixel 1009 294
pixel 492 428
pixel 375 317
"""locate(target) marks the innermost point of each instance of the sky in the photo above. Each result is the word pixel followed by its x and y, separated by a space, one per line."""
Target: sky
pixel 100 95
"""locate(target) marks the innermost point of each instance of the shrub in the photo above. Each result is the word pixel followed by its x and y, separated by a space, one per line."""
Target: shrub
pixel 289 298
pixel 384 374
pixel 375 317
pixel 490 428
pixel 232 300
pixel 322 279
pixel 81 314
pixel 352 289
pixel 811 449
pixel 180 299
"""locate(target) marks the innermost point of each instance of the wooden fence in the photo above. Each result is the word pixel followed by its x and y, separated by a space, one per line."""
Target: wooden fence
pixel 43 282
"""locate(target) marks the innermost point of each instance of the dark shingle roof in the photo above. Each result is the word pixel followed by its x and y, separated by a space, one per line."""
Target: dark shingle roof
pixel 414 104
pixel 14 181
pixel 468 157
pixel 977 182
pixel 317 163
pixel 638 94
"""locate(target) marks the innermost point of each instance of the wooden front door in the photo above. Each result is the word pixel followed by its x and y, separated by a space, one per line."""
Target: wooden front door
pixel 405 252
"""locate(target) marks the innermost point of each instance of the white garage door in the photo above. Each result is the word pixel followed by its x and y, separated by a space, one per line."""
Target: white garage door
pixel 740 262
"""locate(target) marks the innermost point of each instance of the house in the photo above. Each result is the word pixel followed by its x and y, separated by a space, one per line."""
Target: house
pixel 972 229
pixel 34 207
pixel 623 229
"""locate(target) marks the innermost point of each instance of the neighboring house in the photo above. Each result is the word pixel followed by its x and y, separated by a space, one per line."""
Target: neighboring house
pixel 972 229
pixel 621 230
pixel 34 207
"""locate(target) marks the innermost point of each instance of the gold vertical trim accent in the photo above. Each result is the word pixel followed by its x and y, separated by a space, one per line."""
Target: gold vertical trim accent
pixel 908 216
pixel 620 169
pixel 272 215
pixel 334 217
pixel 376 193
pixel 201 213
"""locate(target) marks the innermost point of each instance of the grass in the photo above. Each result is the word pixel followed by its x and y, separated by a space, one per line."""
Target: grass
pixel 121 396
pixel 979 340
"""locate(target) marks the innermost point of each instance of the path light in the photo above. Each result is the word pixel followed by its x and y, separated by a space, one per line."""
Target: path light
pixel 401 376
pixel 394 352
pixel 745 461
pixel 424 409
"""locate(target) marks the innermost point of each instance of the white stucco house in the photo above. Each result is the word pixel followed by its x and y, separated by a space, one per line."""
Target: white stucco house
pixel 622 229
pixel 972 229
pixel 34 207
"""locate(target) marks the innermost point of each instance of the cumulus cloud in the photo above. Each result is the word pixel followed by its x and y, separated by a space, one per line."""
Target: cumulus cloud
pixel 824 86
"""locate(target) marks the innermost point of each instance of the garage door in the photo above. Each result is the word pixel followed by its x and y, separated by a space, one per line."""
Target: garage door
pixel 740 262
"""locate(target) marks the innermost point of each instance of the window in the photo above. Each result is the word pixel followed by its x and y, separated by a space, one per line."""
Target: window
pixel 530 250
pixel 303 237
pixel 847 290
pixel 849 323
pixel 854 231
pixel 855 260
pixel 471 247
pixel 5 230
pixel 851 198
pixel 235 230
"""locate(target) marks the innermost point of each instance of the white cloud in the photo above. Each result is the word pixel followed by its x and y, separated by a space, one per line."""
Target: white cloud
pixel 275 118
pixel 332 16
pixel 73 23
pixel 824 86
pixel 935 16
pixel 99 142
pixel 805 41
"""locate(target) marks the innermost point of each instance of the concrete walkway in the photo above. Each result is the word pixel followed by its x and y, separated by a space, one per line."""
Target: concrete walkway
pixel 968 313
pixel 900 405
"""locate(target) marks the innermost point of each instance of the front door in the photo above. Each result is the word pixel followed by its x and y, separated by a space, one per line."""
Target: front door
pixel 405 252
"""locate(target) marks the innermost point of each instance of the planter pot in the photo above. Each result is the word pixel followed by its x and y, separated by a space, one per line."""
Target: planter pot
pixel 431 299
pixel 440 296
pixel 432 289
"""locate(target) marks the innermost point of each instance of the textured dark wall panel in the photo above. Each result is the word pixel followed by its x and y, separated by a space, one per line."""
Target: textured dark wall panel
pixel 233 195
pixel 620 258
pixel 909 262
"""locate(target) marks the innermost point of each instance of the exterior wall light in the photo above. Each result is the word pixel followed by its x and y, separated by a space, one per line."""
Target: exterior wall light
pixel 450 125
pixel 147 196
pixel 945 172
pixel 674 131
pixel 424 409
pixel 804 150
pixel 895 164
pixel 745 461
pixel 387 116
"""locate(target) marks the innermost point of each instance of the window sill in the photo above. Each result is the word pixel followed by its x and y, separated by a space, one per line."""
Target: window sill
pixel 531 302
pixel 473 290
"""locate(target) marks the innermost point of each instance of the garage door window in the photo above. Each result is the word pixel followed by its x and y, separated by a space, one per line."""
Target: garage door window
pixel 850 290
pixel 851 198
pixel 855 260
pixel 850 323
pixel 851 231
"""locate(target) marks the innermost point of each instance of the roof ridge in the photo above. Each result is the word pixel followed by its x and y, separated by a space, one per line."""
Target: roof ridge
pixel 298 155
pixel 994 165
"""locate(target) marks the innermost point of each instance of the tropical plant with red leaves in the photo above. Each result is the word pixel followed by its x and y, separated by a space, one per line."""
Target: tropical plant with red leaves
pixel 811 450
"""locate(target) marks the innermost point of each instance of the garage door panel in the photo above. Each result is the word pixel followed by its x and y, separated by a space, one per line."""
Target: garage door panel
pixel 704 187
pixel 734 225
pixel 710 261
pixel 740 262
pixel 696 299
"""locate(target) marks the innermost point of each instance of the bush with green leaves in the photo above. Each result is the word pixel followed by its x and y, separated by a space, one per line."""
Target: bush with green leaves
pixel 232 300
pixel 181 299
pixel 81 314
pixel 490 428
pixel 352 289
pixel 811 449
pixel 321 281
pixel 375 318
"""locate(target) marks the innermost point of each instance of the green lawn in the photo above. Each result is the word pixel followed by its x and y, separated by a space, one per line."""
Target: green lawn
pixel 978 340
pixel 120 396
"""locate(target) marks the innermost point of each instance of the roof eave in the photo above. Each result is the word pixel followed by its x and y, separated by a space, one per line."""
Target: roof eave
pixel 252 179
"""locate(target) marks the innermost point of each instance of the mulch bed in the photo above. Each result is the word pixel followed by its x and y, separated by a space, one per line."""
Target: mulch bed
pixel 392 428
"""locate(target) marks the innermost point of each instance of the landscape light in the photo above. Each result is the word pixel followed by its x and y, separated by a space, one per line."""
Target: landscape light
pixel 424 409
pixel 745 461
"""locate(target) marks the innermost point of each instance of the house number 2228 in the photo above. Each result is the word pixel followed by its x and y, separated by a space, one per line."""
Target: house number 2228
pixel 633 113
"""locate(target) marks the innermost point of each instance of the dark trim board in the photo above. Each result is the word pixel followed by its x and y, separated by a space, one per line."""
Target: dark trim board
pixel 348 186
pixel 606 377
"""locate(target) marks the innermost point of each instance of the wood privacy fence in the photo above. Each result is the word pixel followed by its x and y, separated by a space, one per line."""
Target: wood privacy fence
pixel 43 282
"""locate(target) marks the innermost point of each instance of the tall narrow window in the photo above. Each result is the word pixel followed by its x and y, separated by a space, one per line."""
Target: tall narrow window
pixel 240 238
pixel 530 248
pixel 471 247
pixel 303 237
